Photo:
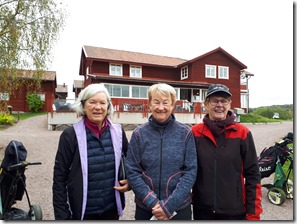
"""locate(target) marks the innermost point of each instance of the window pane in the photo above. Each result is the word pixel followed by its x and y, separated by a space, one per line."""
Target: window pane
pixel 116 90
pixel 109 88
pixel 125 91
pixel 112 70
pixel 143 92
pixel 135 91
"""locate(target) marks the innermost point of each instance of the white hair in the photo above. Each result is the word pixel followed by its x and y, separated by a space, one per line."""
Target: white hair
pixel 87 93
pixel 162 89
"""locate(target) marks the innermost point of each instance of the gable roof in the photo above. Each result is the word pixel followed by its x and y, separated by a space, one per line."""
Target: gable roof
pixel 120 56
pixel 29 74
pixel 243 66
pixel 62 88
pixel 128 56
pixel 79 84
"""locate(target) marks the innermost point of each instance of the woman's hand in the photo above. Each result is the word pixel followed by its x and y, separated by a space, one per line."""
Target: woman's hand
pixel 159 213
pixel 123 186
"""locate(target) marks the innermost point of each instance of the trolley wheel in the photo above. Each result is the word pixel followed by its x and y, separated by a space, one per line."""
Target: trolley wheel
pixel 36 212
pixel 276 196
pixel 289 189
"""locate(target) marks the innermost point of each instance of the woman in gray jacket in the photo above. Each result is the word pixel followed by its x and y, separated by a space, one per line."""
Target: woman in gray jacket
pixel 161 161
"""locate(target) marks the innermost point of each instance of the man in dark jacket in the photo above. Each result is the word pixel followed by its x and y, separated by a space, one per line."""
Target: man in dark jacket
pixel 228 186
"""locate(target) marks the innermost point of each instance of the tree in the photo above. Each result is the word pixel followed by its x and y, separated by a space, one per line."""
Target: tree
pixel 28 31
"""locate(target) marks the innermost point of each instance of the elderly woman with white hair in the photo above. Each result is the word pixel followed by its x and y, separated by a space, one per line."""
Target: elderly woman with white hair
pixel 86 183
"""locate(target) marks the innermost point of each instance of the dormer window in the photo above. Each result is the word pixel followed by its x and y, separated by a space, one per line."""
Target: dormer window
pixel 184 73
pixel 135 71
pixel 115 69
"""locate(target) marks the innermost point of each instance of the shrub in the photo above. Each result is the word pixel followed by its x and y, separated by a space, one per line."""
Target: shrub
pixel 254 118
pixel 6 119
pixel 284 114
pixel 34 102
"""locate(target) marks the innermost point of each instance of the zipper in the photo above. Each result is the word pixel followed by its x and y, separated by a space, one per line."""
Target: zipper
pixel 215 182
pixel 161 153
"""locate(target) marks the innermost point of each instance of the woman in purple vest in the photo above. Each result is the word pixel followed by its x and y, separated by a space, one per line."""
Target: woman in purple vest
pixel 86 184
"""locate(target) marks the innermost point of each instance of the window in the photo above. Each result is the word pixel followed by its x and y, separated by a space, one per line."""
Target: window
pixel 117 90
pixel 177 93
pixel 223 72
pixel 139 92
pixel 42 96
pixel 243 100
pixel 210 71
pixel 115 69
pixel 135 71
pixel 184 72
pixel 4 96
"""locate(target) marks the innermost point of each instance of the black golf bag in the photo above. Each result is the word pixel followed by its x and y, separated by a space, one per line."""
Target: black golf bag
pixel 13 184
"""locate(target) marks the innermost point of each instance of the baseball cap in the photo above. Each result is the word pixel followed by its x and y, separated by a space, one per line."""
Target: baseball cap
pixel 215 88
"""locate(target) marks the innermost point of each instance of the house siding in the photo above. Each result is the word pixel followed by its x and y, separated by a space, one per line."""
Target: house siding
pixel 170 73
pixel 18 100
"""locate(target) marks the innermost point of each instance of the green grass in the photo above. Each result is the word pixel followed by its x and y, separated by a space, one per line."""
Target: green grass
pixel 254 118
pixel 7 120
pixel 23 116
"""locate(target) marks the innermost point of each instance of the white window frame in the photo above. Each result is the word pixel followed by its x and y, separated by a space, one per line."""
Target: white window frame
pixel 223 72
pixel 115 69
pixel 203 94
pixel 177 90
pixel 184 72
pixel 135 71
pixel 243 100
pixel 110 88
pixel 139 87
pixel 4 96
pixel 42 96
pixel 210 71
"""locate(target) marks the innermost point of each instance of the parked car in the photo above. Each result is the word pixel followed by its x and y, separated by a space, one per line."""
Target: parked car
pixel 61 105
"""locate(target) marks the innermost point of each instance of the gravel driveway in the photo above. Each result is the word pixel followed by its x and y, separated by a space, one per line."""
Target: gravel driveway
pixel 41 145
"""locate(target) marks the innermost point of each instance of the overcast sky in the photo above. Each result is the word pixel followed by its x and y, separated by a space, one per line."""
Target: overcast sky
pixel 259 33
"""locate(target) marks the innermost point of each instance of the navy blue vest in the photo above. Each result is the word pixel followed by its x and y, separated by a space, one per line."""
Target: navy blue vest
pixel 101 173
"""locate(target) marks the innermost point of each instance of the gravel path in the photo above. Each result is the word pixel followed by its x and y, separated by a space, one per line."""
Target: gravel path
pixel 41 145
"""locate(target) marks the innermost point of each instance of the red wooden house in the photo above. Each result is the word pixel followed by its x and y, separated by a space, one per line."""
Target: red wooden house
pixel 78 85
pixel 127 75
pixel 18 100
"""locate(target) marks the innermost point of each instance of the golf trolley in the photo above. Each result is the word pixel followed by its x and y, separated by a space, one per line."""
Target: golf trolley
pixel 271 160
pixel 12 184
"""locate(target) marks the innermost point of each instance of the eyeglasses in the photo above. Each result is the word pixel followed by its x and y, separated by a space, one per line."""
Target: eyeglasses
pixel 215 102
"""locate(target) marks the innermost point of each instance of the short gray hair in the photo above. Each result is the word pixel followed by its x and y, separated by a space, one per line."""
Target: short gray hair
pixel 162 88
pixel 87 93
